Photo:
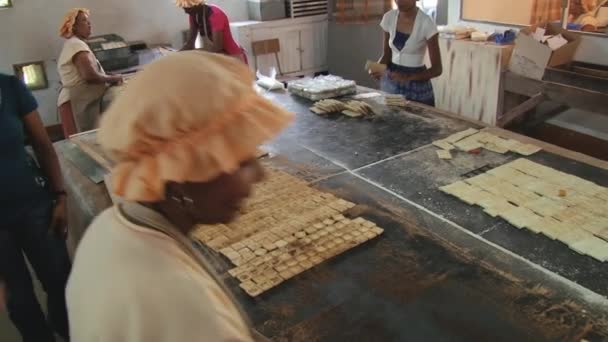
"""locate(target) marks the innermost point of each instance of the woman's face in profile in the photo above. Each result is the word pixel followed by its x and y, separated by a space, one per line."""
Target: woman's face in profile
pixel 82 26
pixel 220 200
pixel 193 9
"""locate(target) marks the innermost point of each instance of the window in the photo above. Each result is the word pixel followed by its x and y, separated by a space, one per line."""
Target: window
pixel 584 15
pixel 361 11
pixel 32 74
pixel 588 16
pixel 6 4
pixel 512 12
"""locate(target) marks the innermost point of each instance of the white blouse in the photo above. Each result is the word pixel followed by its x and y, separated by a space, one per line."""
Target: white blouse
pixel 134 284
pixel 412 54
pixel 68 71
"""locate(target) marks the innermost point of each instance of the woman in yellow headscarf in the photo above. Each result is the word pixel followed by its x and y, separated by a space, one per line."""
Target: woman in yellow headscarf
pixel 84 80
pixel 181 161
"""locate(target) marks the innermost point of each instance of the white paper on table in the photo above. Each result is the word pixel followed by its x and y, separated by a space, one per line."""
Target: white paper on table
pixel 269 82
pixel 556 42
pixel 539 34
pixel 479 36
pixel 366 96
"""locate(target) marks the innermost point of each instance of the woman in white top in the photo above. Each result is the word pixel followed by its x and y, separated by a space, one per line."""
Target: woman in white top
pixel 408 32
pixel 84 80
pixel 181 160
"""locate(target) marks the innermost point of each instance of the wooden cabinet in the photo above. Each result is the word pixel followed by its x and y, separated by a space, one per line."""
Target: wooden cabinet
pixel 313 44
pixel 303 43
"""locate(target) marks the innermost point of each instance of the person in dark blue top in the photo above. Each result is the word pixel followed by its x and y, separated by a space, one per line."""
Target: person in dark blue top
pixel 33 211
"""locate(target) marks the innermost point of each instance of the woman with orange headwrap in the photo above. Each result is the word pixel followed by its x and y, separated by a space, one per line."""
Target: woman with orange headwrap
pixel 211 23
pixel 181 162
pixel 84 80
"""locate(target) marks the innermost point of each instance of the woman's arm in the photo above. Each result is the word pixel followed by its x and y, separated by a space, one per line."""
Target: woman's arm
pixel 191 42
pixel 436 68
pixel 387 56
pixel 47 158
pixel 387 53
pixel 87 68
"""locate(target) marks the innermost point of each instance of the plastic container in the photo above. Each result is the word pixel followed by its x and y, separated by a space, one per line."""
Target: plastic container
pixel 322 87
pixel 264 10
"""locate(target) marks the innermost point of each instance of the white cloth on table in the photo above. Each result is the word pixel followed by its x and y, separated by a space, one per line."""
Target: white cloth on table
pixel 412 54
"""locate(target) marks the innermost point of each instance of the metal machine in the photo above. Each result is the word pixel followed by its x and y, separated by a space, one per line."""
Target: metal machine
pixel 114 53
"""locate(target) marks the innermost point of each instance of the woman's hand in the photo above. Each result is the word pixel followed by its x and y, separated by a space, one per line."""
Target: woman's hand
pixel 59 218
pixel 116 80
pixel 376 75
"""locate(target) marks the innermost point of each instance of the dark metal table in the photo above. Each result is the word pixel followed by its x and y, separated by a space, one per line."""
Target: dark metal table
pixel 443 270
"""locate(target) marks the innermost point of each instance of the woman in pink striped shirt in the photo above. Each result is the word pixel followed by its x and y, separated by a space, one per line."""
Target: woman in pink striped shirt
pixel 212 23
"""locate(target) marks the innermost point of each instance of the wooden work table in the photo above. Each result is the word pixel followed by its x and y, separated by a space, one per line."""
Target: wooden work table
pixel 447 269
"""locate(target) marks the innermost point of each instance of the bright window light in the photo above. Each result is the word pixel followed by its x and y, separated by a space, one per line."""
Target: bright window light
pixel 429 3
pixel 6 4
pixel 32 74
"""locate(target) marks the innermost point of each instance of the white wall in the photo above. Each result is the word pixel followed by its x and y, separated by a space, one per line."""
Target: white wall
pixel 592 49
pixel 30 31
pixel 350 46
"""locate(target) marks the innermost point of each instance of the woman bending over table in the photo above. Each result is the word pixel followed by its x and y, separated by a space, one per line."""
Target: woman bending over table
pixel 210 23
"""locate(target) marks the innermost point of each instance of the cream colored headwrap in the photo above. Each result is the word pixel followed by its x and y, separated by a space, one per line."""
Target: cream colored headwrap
pixel 190 116
pixel 189 3
pixel 67 25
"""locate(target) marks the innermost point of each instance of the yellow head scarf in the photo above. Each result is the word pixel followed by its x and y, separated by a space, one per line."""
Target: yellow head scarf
pixel 189 3
pixel 67 25
pixel 188 117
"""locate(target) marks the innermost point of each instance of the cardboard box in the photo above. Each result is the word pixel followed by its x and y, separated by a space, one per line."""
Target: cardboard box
pixel 531 57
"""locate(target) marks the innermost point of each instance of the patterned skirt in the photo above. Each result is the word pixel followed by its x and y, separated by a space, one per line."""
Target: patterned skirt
pixel 419 91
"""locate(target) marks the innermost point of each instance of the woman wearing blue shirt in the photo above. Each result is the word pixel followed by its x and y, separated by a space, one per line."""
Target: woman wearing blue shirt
pixel 408 32
pixel 33 211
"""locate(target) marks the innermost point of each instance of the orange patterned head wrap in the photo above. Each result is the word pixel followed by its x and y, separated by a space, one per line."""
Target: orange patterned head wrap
pixel 188 117
pixel 67 25
pixel 189 3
